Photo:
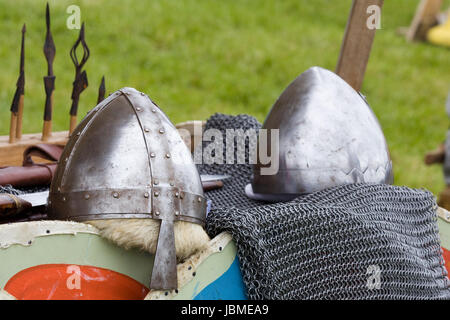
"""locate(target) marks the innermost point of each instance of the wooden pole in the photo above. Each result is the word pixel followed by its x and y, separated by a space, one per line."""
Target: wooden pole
pixel 73 124
pixel 13 128
pixel 19 118
pixel 47 131
pixel 357 43
pixel 424 19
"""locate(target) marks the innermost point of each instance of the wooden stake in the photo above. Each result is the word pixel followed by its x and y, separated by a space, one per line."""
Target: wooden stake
pixel 47 131
pixel 73 124
pixel 13 128
pixel 19 118
pixel 357 43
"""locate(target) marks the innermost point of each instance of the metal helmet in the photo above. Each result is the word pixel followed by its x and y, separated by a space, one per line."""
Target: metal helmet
pixel 127 160
pixel 328 136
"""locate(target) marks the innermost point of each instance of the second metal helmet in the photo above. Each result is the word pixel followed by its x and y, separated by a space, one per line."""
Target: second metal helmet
pixel 328 136
pixel 127 160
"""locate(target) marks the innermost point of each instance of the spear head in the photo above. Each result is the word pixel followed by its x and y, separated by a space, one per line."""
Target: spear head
pixel 49 45
pixel 101 91
pixel 81 82
pixel 22 50
pixel 20 84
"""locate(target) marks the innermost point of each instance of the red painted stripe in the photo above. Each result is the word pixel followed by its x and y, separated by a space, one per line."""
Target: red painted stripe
pixel 73 282
pixel 446 254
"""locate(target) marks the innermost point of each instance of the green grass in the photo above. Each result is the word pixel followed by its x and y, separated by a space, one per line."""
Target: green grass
pixel 197 57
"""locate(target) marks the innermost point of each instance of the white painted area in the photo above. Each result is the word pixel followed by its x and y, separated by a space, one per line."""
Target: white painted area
pixel 24 232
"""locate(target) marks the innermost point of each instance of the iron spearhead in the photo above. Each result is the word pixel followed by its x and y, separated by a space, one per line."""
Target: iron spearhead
pixel 73 52
pixel 81 82
pixel 101 91
pixel 20 85
pixel 22 50
pixel 49 45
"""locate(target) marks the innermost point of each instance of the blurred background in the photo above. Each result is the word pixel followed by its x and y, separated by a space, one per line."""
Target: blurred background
pixel 198 57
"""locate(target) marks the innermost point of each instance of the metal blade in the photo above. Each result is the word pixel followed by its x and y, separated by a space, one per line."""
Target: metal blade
pixel 86 52
pixel 20 85
pixel 22 49
pixel 213 177
pixel 49 45
pixel 101 91
pixel 36 199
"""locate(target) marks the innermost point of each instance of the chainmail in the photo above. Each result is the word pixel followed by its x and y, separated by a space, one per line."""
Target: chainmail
pixel 18 191
pixel 232 193
pixel 9 189
pixel 358 241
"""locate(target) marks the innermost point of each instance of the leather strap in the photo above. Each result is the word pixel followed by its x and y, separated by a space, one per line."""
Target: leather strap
pixel 50 152
pixel 33 174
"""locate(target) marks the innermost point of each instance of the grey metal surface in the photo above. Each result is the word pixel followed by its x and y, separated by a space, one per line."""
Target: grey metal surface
pixel 213 177
pixel 36 199
pixel 328 136
pixel 165 258
pixel 126 160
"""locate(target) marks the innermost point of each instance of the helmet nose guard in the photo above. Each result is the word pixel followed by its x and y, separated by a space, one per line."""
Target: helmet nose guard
pixel 127 160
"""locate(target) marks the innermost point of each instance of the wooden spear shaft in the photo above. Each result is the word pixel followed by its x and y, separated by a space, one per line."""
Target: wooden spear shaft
pixel 13 128
pixel 358 40
pixel 19 118
pixel 72 124
pixel 47 131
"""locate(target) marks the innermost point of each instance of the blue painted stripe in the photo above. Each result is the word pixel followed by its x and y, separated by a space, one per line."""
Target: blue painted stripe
pixel 228 286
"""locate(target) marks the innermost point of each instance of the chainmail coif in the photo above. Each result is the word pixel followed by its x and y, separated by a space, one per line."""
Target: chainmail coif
pixel 358 241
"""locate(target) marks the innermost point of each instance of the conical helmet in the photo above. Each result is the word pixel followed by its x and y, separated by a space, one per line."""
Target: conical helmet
pixel 327 136
pixel 127 160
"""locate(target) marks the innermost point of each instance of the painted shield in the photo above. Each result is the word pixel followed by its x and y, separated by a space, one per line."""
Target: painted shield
pixel 48 260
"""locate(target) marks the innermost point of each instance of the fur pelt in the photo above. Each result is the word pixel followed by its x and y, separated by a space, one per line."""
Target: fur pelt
pixel 143 234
